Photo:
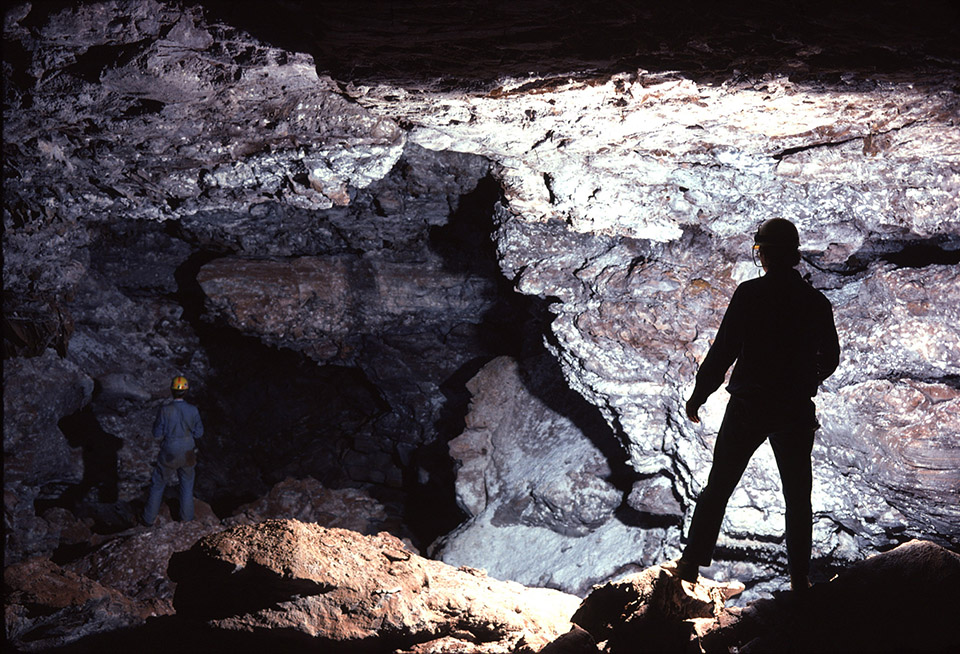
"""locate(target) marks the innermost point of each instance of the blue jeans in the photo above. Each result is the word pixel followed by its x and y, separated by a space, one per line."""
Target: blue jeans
pixel 743 430
pixel 162 474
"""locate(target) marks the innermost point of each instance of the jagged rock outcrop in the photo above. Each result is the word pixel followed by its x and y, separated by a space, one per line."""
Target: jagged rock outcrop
pixel 104 583
pixel 108 584
pixel 308 587
pixel 638 229
pixel 134 562
pixel 409 325
pixel 653 611
pixel 105 274
pixel 535 480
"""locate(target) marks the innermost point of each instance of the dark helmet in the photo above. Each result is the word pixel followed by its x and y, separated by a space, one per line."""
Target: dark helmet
pixel 780 242
pixel 778 232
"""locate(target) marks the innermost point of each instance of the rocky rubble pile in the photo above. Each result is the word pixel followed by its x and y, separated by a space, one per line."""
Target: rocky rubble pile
pixel 292 586
pixel 103 582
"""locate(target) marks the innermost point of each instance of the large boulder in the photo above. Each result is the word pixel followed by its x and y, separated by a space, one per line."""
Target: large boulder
pixel 309 586
pixel 307 500
pixel 134 561
pixel 898 601
pixel 534 477
pixel 654 611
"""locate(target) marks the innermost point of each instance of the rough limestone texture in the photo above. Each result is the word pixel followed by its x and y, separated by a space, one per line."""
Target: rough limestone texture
pixel 533 477
pixel 654 611
pixel 147 143
pixel 37 393
pixel 46 606
pixel 630 203
pixel 307 500
pixel 339 590
pixel 134 561
pixel 101 303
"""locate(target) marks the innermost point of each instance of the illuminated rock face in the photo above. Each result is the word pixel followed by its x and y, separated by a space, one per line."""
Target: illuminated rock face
pixel 307 244
pixel 339 590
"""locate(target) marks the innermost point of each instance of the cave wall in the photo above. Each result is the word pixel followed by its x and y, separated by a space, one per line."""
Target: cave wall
pixel 311 245
pixel 121 270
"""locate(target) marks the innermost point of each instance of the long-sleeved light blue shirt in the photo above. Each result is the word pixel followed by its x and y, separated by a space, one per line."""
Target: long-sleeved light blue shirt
pixel 178 424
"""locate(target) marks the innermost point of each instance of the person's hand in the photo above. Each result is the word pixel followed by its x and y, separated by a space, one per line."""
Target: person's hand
pixel 693 411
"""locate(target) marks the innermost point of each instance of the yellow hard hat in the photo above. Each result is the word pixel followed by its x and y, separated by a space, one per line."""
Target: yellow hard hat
pixel 179 383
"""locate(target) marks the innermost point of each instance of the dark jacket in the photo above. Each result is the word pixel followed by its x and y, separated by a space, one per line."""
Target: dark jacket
pixel 781 333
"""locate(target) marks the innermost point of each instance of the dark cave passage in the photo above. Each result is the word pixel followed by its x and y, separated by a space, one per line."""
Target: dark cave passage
pixel 273 413
pixel 270 412
pixel 928 252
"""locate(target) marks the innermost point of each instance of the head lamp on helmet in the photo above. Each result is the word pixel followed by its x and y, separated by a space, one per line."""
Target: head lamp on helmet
pixel 179 383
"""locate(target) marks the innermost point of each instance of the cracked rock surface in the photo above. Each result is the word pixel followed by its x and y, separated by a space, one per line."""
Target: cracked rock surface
pixel 342 590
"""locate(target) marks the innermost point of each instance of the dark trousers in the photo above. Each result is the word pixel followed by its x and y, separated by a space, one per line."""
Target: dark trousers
pixel 169 466
pixel 743 430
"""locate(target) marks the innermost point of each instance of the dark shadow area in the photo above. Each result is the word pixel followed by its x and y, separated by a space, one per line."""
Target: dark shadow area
pixel 171 633
pixel 908 252
pixel 95 500
pixel 269 413
pixel 644 520
pixel 919 254
pixel 459 44
pixel 100 470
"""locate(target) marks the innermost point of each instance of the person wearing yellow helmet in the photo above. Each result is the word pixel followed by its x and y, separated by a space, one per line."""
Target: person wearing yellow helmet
pixel 781 333
pixel 177 426
pixel 179 386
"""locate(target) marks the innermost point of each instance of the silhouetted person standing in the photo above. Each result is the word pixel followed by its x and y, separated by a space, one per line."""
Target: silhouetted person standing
pixel 780 332
pixel 178 425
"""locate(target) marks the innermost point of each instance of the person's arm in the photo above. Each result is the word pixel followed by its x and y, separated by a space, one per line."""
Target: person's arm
pixel 159 424
pixel 724 351
pixel 828 354
pixel 196 429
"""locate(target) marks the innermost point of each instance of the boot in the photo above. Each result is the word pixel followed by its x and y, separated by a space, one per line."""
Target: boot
pixel 687 570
